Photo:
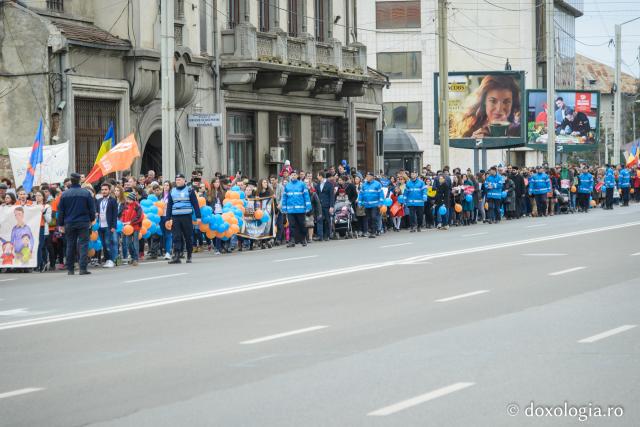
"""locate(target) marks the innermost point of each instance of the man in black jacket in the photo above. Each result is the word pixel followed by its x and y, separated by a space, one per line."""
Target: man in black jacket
pixel 520 190
pixel 107 216
pixel 76 212
pixel 327 197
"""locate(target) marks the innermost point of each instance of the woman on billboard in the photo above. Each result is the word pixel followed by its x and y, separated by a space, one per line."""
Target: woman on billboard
pixel 494 110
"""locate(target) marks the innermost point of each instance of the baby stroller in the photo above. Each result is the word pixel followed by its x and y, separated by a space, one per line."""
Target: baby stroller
pixel 343 218
pixel 564 203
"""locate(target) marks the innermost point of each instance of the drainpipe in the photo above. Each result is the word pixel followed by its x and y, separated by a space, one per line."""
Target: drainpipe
pixel 218 101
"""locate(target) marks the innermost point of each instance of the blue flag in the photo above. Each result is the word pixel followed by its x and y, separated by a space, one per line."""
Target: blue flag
pixel 35 159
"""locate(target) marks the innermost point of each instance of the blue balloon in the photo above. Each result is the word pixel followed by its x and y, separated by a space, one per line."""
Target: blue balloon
pixel 388 202
pixel 265 218
pixel 240 222
pixel 153 210
pixel 98 245
pixel 146 203
pixel 235 188
pixel 504 194
pixel 154 228
pixel 119 226
pixel 206 211
pixel 227 204
pixel 401 199
pixel 95 226
pixel 153 198
pixel 147 235
pixel 225 238
pixel 242 196
pixel 468 198
pixel 442 210
pixel 153 218
pixel 224 227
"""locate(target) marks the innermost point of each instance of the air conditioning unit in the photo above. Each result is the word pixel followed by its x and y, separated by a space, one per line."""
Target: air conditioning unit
pixel 319 155
pixel 276 154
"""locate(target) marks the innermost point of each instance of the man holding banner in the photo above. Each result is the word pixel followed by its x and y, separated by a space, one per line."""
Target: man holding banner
pixel 76 211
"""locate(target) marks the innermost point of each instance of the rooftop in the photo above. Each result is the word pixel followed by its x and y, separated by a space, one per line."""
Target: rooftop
pixel 90 35
pixel 604 76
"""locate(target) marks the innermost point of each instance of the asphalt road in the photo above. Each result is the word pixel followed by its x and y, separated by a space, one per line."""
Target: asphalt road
pixel 475 326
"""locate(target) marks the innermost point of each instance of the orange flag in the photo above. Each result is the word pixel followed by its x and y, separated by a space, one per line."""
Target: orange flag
pixel 119 158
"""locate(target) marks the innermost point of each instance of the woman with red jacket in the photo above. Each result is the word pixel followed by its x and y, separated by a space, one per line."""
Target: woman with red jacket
pixel 132 215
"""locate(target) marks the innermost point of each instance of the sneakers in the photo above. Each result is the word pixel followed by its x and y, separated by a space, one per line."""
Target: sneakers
pixel 134 263
pixel 125 261
pixel 108 264
pixel 216 253
pixel 167 256
pixel 82 272
pixel 188 260
pixel 175 260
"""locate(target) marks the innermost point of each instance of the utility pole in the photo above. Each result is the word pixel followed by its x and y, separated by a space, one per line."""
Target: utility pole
pixel 443 127
pixel 617 102
pixel 551 83
pixel 606 142
pixel 168 93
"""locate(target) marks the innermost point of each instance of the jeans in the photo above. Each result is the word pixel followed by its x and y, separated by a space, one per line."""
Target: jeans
pixel 371 219
pixel 541 204
pixel 296 223
pixel 442 220
pixel 109 243
pixel 132 243
pixel 609 198
pixel 494 209
pixel 324 225
pixel 416 213
pixel 77 241
pixel 625 196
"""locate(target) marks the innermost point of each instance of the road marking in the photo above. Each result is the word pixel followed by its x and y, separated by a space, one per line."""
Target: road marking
pixel 469 294
pixel 283 334
pixel 545 254
pixel 7 280
pixel 405 404
pixel 295 259
pixel 396 245
pixel 536 225
pixel 14 312
pixel 606 334
pixel 304 278
pixel 155 277
pixel 636 254
pixel 475 234
pixel 19 392
pixel 568 270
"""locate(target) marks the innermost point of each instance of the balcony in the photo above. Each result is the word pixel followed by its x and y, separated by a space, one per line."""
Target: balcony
pixel 271 60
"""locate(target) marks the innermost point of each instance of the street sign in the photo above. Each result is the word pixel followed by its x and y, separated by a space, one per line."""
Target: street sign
pixel 200 120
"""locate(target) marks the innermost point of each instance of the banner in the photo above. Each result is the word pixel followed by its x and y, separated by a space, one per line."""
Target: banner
pixel 19 234
pixel 258 228
pixel 54 166
pixel 118 159
pixel 484 109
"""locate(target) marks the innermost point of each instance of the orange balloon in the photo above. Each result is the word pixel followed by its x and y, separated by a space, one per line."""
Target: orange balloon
pixel 593 203
pixel 228 233
pixel 204 227
pixel 258 214
pixel 486 206
pixel 159 204
pixel 383 209
pixel 202 201
pixel 146 223
pixel 573 189
pixel 233 195
pixel 168 224
pixel 127 230
pixel 141 234
pixel 632 191
pixel 160 211
pixel 458 207
pixel 91 252
pixel 233 220
pixel 94 236
pixel 227 216
pixel 143 230
pixel 234 229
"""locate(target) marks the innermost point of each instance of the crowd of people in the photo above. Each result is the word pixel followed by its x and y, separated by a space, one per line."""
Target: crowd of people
pixel 332 204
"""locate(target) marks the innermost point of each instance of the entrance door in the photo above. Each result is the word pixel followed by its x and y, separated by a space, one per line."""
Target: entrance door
pixel 152 156
pixel 92 117
pixel 365 141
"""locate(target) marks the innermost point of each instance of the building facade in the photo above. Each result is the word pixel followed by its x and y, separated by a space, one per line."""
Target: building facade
pixel 401 39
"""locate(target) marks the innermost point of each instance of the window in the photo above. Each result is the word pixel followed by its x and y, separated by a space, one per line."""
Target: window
pixel 179 9
pixel 321 20
pixel 241 143
pixel 401 65
pixel 398 14
pixel 328 140
pixel 264 12
pixel 234 13
pixel 92 119
pixel 55 5
pixel 285 134
pixel 403 115
pixel 293 18
pixel 204 33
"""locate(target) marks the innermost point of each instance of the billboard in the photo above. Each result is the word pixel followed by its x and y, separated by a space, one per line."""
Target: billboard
pixel 484 107
pixel 576 116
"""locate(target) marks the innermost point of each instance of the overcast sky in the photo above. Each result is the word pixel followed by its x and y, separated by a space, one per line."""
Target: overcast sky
pixel 596 27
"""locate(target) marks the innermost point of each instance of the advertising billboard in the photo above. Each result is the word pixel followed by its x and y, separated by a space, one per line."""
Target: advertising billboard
pixel 485 109
pixel 576 117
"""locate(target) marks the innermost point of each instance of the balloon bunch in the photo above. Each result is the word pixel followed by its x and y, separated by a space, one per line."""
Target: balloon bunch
pixel 224 226
pixel 95 244
pixel 152 210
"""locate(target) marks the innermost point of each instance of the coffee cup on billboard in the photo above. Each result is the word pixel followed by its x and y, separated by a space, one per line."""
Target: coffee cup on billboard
pixel 499 128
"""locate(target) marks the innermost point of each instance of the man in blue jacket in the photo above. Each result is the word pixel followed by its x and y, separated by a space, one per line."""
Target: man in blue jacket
pixel 493 184
pixel 585 187
pixel 371 198
pixel 415 194
pixel 624 183
pixel 181 206
pixel 107 217
pixel 609 185
pixel 539 187
pixel 76 212
pixel 296 203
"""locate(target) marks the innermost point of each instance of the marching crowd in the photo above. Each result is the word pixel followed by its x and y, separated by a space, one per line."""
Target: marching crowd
pixel 333 203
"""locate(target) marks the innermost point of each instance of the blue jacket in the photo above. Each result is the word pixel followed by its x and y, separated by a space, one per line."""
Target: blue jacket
pixel 493 184
pixel 539 183
pixel 415 193
pixel 76 206
pixel 371 195
pixel 624 179
pixel 295 198
pixel 182 201
pixel 609 179
pixel 586 183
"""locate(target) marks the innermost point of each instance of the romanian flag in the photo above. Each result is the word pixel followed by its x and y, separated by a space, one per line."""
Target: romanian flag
pixel 35 159
pixel 119 158
pixel 633 156
pixel 107 143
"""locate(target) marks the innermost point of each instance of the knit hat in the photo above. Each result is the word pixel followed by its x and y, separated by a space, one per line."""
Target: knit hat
pixel 131 196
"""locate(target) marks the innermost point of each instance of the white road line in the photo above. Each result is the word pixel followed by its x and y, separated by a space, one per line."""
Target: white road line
pixel 636 254
pixel 405 404
pixel 7 280
pixel 536 225
pixel 544 254
pixel 156 277
pixel 19 392
pixel 469 294
pixel 304 278
pixel 475 234
pixel 396 245
pixel 568 270
pixel 295 259
pixel 606 334
pixel 283 334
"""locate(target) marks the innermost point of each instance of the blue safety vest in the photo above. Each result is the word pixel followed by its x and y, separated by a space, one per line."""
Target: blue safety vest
pixel 181 201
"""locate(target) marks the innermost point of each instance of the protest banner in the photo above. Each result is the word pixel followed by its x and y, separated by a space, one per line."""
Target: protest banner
pixel 54 166
pixel 259 222
pixel 19 234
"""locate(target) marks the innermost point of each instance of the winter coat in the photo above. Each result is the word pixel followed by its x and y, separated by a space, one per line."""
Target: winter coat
pixel 415 193
pixel 295 198
pixel 585 183
pixel 494 184
pixel 371 195
pixel 539 183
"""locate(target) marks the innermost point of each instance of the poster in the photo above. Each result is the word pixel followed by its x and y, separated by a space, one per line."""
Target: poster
pixel 575 115
pixel 54 167
pixel 19 234
pixel 259 229
pixel 484 107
